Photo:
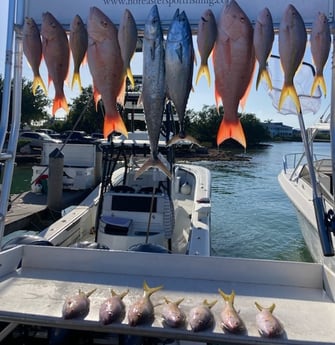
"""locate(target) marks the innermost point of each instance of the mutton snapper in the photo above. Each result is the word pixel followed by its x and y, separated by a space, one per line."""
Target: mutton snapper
pixel 268 325
pixel 106 67
pixel 127 36
pixel 78 39
pixel 113 308
pixel 234 62
pixel 263 41
pixel 153 87
pixel 292 44
pixel 77 306
pixel 206 37
pixel 32 49
pixel 56 53
pixel 179 59
pixel 320 40
pixel 230 319
pixel 142 310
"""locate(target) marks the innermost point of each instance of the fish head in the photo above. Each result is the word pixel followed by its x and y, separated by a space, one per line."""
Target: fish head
pixel 49 27
pixel 29 27
pixel 152 28
pixel 234 22
pixel 77 23
pixel 291 16
pixel 99 26
pixel 264 16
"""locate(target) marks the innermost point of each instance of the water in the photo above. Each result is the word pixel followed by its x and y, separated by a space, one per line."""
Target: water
pixel 251 215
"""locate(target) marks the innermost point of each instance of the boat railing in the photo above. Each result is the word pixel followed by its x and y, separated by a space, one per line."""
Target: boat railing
pixel 292 162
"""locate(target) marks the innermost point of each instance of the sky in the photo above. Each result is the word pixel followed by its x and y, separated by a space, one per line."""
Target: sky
pixel 258 102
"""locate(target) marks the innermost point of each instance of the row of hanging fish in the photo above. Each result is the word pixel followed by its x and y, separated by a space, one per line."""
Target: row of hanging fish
pixel 234 43
pixel 200 317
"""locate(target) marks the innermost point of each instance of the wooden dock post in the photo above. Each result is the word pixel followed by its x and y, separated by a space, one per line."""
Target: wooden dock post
pixel 55 180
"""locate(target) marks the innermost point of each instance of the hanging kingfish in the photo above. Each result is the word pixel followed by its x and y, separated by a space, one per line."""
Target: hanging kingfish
pixel 320 46
pixel 292 45
pixel 32 49
pixel 263 41
pixel 153 89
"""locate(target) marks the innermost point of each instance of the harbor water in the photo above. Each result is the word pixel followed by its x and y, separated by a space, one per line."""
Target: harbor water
pixel 251 215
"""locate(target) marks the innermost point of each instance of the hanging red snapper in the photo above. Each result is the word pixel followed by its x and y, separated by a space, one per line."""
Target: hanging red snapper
pixel 56 52
pixel 127 36
pixel 206 37
pixel 78 46
pixel 292 44
pixel 32 49
pixel 106 67
pixel 263 41
pixel 320 46
pixel 234 61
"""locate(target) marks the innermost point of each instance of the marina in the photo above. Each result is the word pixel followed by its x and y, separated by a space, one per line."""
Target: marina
pixel 147 220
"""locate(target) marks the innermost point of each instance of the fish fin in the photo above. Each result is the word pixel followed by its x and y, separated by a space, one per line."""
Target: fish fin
pixel 319 81
pixel 90 292
pixel 179 52
pixel 114 124
pixel 264 74
pixel 58 103
pixel 232 130
pixel 177 138
pixel 270 309
pixel 38 82
pixel 289 90
pixel 76 78
pixel 228 298
pixel 203 70
pixel 96 97
pixel 153 163
pixel 149 291
pixel 131 77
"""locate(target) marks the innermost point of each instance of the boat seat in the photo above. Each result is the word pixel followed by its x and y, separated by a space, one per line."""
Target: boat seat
pixel 149 190
pixel 116 225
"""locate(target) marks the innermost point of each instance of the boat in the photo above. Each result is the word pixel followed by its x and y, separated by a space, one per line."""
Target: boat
pixel 312 195
pixel 146 231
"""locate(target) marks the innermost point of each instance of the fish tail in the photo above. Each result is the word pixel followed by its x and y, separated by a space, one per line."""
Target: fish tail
pixel 264 74
pixel 38 82
pixel 232 130
pixel 114 124
pixel 289 90
pixel 153 163
pixel 58 103
pixel 228 298
pixel 260 308
pixel 130 77
pixel 76 79
pixel 203 70
pixel 149 291
pixel 209 304
pixel 319 81
pixel 90 293
pixel 121 295
pixel 177 138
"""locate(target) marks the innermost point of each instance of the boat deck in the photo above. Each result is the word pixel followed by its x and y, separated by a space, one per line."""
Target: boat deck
pixel 35 293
